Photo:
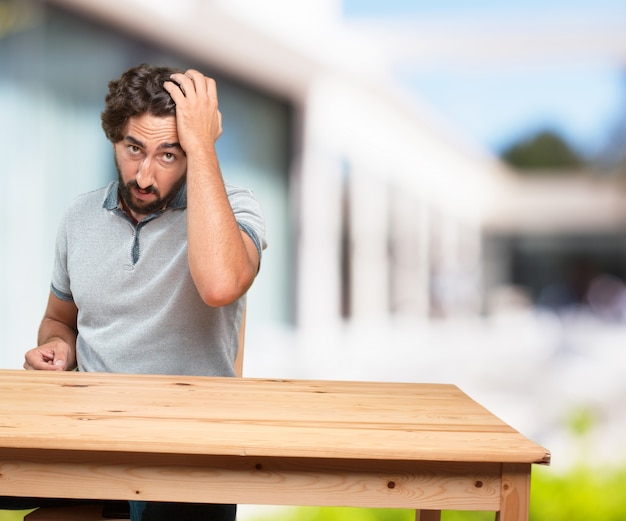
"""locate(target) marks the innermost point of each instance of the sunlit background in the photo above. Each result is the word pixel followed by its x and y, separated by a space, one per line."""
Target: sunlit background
pixel 443 183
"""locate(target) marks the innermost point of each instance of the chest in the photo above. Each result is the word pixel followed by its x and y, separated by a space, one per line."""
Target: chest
pixel 120 256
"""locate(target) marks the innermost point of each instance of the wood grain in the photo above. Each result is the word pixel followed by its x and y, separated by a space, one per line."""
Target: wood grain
pixel 257 481
pixel 254 417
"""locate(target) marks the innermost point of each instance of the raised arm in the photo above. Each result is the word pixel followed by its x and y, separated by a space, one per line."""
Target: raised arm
pixel 223 260
pixel 56 350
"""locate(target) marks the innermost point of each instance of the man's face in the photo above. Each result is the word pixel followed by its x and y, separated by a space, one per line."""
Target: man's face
pixel 150 163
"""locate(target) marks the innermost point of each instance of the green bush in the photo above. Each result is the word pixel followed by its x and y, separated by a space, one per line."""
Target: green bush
pixel 582 494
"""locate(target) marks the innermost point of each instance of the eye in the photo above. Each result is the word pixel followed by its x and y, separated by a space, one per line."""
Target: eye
pixel 133 150
pixel 168 157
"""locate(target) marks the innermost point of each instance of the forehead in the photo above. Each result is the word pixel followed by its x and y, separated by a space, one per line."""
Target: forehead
pixel 150 129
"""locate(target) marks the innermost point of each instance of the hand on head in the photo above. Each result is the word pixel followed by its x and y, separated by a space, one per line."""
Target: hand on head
pixel 198 118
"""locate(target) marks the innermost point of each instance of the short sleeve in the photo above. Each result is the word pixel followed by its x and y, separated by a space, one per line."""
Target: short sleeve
pixel 60 285
pixel 248 214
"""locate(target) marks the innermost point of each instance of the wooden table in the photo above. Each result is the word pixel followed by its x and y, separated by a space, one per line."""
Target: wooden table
pixel 427 447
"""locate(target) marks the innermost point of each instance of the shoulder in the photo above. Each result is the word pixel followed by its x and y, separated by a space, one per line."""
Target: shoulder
pixel 234 190
pixel 89 201
pixel 240 196
pixel 248 213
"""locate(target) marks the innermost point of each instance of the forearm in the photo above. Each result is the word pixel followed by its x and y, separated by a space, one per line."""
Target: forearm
pixel 51 329
pixel 56 339
pixel 221 262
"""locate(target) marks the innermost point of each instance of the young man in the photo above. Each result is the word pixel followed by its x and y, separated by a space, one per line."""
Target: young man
pixel 151 272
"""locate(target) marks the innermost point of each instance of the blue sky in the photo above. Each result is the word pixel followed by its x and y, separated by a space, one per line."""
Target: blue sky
pixel 446 7
pixel 581 99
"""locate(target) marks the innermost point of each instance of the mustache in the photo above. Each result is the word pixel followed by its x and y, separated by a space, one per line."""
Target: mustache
pixel 148 190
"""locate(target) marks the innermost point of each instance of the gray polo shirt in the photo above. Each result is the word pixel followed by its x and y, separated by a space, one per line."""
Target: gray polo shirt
pixel 138 308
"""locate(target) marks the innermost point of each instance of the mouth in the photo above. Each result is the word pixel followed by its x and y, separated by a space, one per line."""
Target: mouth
pixel 144 194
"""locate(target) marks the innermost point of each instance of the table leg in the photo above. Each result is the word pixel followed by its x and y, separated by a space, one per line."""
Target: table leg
pixel 428 515
pixel 515 492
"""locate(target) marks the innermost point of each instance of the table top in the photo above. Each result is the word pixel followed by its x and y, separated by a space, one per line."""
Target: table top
pixel 253 417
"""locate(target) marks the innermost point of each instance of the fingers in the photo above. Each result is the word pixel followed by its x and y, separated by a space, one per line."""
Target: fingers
pixel 191 84
pixel 44 358
pixel 58 365
pixel 197 113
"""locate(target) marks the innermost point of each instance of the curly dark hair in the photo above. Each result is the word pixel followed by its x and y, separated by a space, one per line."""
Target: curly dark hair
pixel 139 90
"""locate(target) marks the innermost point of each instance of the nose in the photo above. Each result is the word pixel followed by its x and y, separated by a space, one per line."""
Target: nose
pixel 145 175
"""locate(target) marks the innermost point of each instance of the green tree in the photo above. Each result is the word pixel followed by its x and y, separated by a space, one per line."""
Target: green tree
pixel 543 151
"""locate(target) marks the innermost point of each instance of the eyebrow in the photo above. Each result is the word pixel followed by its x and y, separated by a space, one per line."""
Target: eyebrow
pixel 162 146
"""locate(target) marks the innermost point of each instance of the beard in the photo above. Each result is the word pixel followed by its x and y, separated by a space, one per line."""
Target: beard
pixel 146 207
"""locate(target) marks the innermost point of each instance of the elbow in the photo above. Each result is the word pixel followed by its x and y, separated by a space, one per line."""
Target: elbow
pixel 216 299
pixel 222 284
pixel 221 293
